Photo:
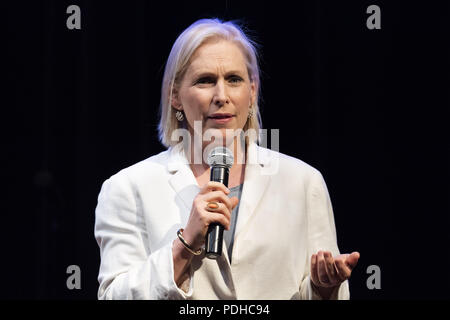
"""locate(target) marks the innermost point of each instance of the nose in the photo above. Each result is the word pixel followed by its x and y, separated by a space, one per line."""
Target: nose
pixel 220 95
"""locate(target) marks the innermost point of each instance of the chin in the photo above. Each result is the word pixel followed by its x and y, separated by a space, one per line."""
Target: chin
pixel 221 136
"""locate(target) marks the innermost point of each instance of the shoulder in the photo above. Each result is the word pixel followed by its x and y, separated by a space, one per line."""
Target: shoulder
pixel 286 163
pixel 152 168
pixel 287 168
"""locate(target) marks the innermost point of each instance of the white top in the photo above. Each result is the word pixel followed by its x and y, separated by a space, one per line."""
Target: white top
pixel 285 216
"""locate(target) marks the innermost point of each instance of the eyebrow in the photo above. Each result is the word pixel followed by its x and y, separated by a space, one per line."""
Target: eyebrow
pixel 212 74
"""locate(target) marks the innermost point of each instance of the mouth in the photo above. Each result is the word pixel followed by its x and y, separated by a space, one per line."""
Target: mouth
pixel 219 116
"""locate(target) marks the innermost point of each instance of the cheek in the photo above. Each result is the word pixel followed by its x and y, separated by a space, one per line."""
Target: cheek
pixel 243 95
pixel 243 101
pixel 196 104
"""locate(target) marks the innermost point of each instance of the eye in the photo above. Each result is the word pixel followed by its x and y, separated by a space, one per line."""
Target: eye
pixel 205 80
pixel 235 79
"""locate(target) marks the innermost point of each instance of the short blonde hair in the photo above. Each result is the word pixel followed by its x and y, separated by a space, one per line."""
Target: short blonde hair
pixel 177 63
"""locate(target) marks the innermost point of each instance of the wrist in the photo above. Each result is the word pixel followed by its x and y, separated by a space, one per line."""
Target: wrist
pixel 180 252
pixel 191 240
pixel 324 292
pixel 181 262
pixel 186 245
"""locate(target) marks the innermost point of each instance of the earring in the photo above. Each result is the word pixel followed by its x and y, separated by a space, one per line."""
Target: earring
pixel 250 112
pixel 179 115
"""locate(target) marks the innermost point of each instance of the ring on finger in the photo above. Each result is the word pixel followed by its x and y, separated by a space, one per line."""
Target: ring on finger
pixel 212 206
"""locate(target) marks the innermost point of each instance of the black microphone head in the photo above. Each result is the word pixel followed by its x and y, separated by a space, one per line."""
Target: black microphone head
pixel 220 156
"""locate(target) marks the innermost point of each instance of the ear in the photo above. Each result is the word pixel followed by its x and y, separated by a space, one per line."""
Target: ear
pixel 176 103
pixel 253 91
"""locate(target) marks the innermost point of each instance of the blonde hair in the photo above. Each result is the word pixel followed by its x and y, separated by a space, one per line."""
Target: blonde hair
pixel 177 63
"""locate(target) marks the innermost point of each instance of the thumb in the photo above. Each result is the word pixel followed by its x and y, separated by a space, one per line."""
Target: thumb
pixel 234 201
pixel 352 259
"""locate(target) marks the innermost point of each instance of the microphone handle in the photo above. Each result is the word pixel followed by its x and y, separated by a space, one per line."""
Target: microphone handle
pixel 214 236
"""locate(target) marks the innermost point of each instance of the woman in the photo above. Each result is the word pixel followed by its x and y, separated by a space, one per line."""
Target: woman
pixel 152 218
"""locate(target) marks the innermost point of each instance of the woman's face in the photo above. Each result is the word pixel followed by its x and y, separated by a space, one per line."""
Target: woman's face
pixel 216 89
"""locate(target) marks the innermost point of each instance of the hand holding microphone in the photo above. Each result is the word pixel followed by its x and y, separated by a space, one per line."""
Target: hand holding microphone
pixel 206 223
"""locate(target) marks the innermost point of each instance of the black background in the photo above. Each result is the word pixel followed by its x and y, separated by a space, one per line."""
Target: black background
pixel 368 108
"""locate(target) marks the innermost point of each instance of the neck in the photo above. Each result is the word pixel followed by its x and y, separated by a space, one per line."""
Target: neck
pixel 201 169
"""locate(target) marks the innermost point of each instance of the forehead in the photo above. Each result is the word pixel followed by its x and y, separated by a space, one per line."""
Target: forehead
pixel 218 54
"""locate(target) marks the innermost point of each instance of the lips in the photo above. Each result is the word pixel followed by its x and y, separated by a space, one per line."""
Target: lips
pixel 220 116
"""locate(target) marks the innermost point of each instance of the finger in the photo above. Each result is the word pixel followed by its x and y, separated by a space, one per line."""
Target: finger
pixel 215 217
pixel 314 274
pixel 329 264
pixel 234 202
pixel 213 186
pixel 352 260
pixel 219 208
pixel 212 206
pixel 322 271
pixel 343 271
pixel 220 197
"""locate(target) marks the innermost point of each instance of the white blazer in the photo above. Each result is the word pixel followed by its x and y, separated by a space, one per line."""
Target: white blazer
pixel 285 215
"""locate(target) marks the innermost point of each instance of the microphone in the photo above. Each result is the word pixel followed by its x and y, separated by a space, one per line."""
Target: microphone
pixel 220 159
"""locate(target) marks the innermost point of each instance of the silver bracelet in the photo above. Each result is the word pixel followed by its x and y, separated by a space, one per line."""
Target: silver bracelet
pixel 185 244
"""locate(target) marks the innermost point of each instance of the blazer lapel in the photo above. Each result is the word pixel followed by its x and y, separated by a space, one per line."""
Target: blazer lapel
pixel 182 181
pixel 255 183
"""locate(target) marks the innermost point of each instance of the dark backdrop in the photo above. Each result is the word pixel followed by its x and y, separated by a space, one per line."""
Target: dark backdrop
pixel 368 108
